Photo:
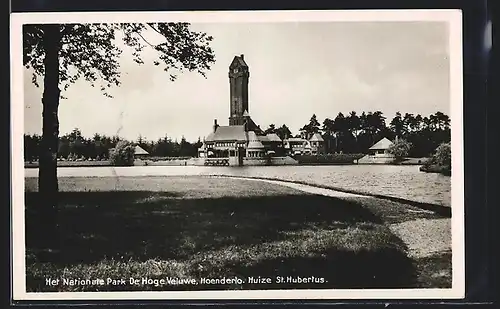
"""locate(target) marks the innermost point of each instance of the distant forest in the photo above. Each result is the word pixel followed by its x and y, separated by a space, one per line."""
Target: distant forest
pixel 350 133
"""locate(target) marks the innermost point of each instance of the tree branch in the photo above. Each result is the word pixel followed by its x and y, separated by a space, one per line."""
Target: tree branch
pixel 152 27
pixel 152 46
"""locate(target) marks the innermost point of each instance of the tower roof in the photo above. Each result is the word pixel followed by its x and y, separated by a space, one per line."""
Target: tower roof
pixel 239 61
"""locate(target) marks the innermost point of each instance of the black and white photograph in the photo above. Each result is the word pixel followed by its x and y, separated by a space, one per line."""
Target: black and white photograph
pixel 242 155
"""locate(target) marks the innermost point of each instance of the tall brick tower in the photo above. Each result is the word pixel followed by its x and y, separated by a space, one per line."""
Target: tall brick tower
pixel 238 85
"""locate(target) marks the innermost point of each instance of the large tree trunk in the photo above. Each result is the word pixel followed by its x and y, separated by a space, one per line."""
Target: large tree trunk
pixel 47 178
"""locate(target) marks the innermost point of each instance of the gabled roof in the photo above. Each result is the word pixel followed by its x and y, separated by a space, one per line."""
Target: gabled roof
pixel 263 138
pixel 316 138
pixel 228 133
pixel 381 145
pixel 138 150
pixel 296 139
pixel 246 114
pixel 254 141
pixel 252 126
pixel 255 145
pixel 273 137
pixel 252 136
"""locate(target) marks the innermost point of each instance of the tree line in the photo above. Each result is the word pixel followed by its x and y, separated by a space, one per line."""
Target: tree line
pixel 355 133
pixel 346 134
pixel 75 146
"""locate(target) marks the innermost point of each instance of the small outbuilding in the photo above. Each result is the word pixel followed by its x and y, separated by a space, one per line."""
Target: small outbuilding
pixel 379 153
pixel 381 147
pixel 140 153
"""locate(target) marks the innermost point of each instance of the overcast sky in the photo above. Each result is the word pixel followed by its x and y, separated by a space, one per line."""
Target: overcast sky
pixel 296 69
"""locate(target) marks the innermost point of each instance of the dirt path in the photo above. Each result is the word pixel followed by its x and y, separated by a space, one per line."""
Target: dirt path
pixel 424 237
pixel 302 187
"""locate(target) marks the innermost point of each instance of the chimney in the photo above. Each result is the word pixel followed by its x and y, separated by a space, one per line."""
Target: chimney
pixel 215 125
pixel 242 57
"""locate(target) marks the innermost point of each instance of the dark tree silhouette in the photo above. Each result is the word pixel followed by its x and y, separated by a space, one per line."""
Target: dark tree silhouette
pixel 64 53
pixel 311 127
pixel 397 125
pixel 329 131
pixel 283 132
pixel 271 129
pixel 341 130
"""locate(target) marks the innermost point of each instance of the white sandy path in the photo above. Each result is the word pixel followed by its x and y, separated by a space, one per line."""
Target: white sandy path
pixel 302 187
pixel 425 237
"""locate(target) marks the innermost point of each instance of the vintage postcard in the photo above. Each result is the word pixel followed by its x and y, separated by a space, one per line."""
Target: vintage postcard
pixel 237 155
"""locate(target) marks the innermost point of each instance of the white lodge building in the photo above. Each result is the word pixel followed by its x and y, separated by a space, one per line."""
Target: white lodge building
pixel 243 140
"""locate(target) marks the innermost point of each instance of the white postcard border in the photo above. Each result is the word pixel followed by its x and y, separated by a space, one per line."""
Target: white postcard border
pixel 452 17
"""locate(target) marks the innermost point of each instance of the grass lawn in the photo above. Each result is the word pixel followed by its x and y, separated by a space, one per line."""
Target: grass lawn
pixel 196 227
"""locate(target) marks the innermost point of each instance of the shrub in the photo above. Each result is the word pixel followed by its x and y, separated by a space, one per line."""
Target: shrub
pixel 443 155
pixel 122 154
pixel 400 149
pixel 440 162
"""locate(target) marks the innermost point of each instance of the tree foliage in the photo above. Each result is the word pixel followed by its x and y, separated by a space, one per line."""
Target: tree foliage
pixel 355 133
pixel 442 155
pixel 313 126
pixel 91 52
pixel 400 149
pixel 423 139
pixel 98 146
pixel 122 154
pixel 65 53
pixel 283 132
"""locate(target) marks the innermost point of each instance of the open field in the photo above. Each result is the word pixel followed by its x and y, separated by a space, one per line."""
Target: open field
pixel 194 227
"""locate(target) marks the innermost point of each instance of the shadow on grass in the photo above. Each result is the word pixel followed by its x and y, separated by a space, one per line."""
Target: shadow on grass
pixel 435 271
pixel 143 226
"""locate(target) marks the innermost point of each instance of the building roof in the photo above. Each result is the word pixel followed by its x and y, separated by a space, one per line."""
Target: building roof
pixel 255 145
pixel 246 114
pixel 263 138
pixel 316 138
pixel 228 133
pixel 138 150
pixel 273 137
pixel 383 144
pixel 252 126
pixel 252 136
pixel 254 142
pixel 296 139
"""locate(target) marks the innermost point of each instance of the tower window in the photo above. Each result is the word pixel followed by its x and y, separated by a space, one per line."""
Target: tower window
pixel 235 70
